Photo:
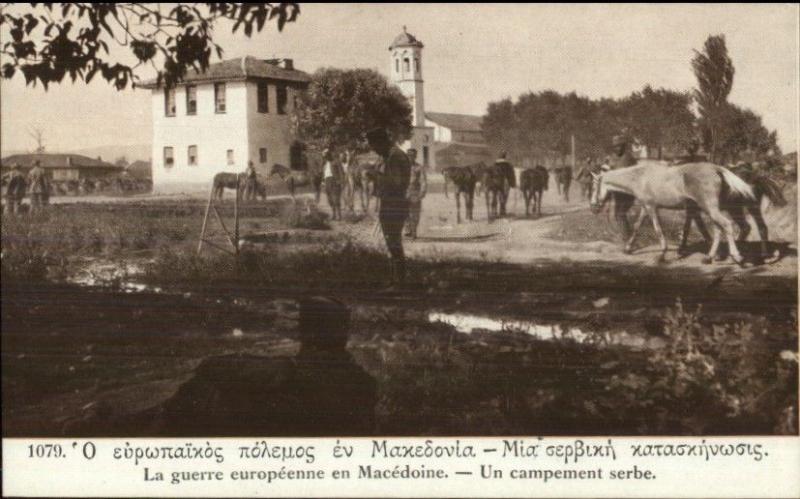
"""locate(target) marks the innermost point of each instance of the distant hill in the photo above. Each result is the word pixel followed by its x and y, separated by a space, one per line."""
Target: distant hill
pixel 134 152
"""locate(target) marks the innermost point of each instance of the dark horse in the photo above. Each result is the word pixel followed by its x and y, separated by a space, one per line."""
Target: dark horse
pixel 762 186
pixel 299 178
pixel 464 179
pixel 496 182
pixel 533 182
pixel 564 180
pixel 227 180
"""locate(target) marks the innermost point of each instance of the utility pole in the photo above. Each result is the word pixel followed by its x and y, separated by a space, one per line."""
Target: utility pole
pixel 573 151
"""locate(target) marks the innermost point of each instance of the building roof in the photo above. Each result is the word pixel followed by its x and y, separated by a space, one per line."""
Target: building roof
pixel 240 69
pixel 459 122
pixel 48 160
pixel 405 39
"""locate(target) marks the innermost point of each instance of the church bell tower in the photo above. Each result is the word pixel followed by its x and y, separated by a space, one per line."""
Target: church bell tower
pixel 406 72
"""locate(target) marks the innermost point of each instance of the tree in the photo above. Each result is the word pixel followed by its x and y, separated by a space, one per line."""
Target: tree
pixel 37 134
pixel 121 161
pixel 660 118
pixel 714 71
pixel 742 136
pixel 339 106
pixel 47 42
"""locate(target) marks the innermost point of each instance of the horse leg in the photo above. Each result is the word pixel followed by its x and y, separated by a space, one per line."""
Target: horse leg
pixel 636 226
pixel 687 226
pixel 488 205
pixel 724 224
pixel 470 201
pixel 458 207
pixel 763 231
pixel 737 214
pixel 657 226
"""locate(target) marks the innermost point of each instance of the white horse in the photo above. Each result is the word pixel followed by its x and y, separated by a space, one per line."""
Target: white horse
pixel 693 187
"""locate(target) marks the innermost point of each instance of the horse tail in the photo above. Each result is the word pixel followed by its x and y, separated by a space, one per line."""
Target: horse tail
pixel 770 188
pixel 736 185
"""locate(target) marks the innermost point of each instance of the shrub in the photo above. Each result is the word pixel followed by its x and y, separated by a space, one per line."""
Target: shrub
pixel 735 377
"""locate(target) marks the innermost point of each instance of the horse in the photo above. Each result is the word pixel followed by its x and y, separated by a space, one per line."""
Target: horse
pixel 227 180
pixel 299 178
pixel 564 180
pixel 495 184
pixel 464 179
pixel 762 186
pixel 369 176
pixel 693 187
pixel 533 182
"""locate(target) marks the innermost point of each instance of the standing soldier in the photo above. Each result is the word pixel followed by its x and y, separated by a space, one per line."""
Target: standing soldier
pixel 393 180
pixel 511 180
pixel 39 186
pixel 332 176
pixel 15 189
pixel 250 182
pixel 623 156
pixel 417 188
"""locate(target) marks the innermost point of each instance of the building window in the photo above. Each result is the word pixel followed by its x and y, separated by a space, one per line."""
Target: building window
pixel 263 97
pixel 192 156
pixel 169 102
pixel 397 65
pixel 219 97
pixel 169 157
pixel 262 155
pixel 425 156
pixel 406 65
pixel 283 97
pixel 230 156
pixel 416 65
pixel 191 99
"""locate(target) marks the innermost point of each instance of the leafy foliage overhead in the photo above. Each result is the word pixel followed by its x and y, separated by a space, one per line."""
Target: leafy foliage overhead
pixel 46 42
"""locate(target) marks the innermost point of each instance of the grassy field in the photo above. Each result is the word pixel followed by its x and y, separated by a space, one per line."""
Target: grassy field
pixel 98 355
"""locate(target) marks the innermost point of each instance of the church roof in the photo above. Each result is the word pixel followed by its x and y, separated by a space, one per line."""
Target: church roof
pixel 459 122
pixel 405 39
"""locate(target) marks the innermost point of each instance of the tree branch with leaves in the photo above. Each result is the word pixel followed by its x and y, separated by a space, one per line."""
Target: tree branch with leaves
pixel 46 42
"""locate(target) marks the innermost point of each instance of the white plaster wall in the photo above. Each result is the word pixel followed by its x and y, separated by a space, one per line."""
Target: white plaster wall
pixel 212 133
pixel 270 130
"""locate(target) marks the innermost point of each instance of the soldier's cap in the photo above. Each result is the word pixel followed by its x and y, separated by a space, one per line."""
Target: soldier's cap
pixel 410 150
pixel 618 140
pixel 503 154
pixel 378 133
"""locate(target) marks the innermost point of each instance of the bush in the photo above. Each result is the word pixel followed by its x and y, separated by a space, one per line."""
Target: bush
pixel 732 373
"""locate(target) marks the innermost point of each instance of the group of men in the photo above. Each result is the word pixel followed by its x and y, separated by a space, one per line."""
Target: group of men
pixel 17 185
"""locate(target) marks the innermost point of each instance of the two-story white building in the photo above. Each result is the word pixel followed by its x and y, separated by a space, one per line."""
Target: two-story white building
pixel 236 112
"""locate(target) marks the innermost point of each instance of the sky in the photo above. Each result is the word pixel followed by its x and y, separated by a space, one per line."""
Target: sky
pixel 474 54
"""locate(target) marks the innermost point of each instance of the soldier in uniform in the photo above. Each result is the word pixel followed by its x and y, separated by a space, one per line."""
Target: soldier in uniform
pixel 39 187
pixel 15 189
pixel 622 156
pixel 250 182
pixel 394 177
pixel 333 177
pixel 417 188
pixel 511 182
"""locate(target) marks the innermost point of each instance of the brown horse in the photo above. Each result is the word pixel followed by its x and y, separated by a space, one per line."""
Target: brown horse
pixel 227 180
pixel 464 179
pixel 533 182
pixel 496 184
pixel 369 176
pixel 564 180
pixel 299 178
pixel 736 207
